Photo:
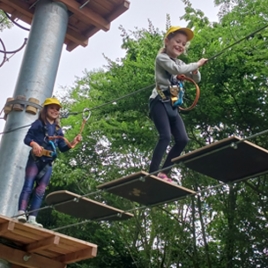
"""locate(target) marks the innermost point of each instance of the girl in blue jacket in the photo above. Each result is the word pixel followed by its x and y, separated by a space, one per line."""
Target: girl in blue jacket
pixel 39 165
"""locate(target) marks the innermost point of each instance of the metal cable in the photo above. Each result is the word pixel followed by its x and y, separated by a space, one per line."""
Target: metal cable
pixel 238 41
pixel 24 28
pixel 132 93
pixel 15 51
pixel 148 206
pixel 93 108
pixel 232 145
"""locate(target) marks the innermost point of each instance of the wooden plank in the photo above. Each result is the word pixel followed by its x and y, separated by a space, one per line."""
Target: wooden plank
pixel 47 244
pixel 43 244
pixel 24 259
pixel 27 233
pixel 76 37
pixel 6 8
pixel 86 15
pixel 6 227
pixel 228 160
pixel 18 15
pixel 146 189
pixel 119 10
pixel 84 208
pixel 20 6
pixel 78 255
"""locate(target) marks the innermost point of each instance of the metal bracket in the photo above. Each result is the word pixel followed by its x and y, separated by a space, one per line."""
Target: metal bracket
pixel 24 102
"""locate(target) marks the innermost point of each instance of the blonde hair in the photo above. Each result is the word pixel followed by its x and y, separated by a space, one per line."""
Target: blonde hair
pixel 172 35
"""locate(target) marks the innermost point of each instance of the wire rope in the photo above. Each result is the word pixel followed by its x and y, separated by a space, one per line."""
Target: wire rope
pixel 139 90
pixel 232 145
pixel 17 24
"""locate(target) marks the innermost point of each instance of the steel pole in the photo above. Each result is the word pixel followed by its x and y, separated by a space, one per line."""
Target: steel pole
pixel 36 80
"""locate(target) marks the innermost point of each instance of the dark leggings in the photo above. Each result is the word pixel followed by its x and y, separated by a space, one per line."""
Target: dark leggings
pixel 167 125
pixel 32 187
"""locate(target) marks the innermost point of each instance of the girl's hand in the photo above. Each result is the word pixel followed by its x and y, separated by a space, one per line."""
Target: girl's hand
pixel 37 149
pixel 195 71
pixel 76 140
pixel 201 62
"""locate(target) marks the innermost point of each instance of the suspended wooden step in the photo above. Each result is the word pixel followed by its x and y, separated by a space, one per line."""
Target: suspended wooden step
pixel 84 208
pixel 146 189
pixel 25 245
pixel 227 160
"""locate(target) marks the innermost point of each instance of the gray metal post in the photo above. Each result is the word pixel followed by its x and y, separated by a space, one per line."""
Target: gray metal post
pixel 36 80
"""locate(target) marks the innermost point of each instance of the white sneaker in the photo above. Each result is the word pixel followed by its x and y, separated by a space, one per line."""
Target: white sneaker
pixel 22 218
pixel 35 223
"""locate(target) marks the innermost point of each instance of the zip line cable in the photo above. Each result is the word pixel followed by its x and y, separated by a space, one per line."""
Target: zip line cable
pixel 24 28
pixel 76 199
pixel 88 109
pixel 144 206
pixel 115 100
pixel 147 87
pixel 17 50
pixel 238 41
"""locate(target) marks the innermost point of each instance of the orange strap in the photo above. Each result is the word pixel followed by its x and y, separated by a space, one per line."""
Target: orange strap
pixel 70 145
pixel 182 77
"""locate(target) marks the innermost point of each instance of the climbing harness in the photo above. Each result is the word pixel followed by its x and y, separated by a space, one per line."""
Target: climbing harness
pixel 189 104
pixel 177 91
pixel 48 141
pixel 174 96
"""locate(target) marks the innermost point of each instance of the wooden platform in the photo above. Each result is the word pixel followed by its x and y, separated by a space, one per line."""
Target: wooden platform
pixel 86 17
pixel 145 189
pixel 24 245
pixel 84 208
pixel 227 160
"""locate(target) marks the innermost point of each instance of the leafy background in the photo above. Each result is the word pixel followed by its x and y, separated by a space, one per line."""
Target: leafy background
pixel 223 226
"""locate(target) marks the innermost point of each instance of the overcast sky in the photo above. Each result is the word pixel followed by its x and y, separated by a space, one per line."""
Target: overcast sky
pixel 73 63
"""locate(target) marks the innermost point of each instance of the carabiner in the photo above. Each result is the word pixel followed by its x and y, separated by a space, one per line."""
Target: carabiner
pixel 54 152
pixel 85 118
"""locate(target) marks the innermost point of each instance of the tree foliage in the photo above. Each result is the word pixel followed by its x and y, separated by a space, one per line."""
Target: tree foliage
pixel 223 226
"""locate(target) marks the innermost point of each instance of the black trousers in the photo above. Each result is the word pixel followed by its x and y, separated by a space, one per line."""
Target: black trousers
pixel 166 126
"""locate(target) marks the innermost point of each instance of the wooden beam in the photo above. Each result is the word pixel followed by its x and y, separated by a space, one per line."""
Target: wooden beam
pixel 89 33
pixel 25 259
pixel 119 10
pixel 78 255
pixel 76 37
pixel 6 8
pixel 86 15
pixel 6 227
pixel 19 5
pixel 43 244
pixel 21 16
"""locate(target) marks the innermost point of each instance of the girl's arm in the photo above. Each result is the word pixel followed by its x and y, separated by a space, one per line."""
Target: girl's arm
pixel 175 67
pixel 63 147
pixel 35 133
pixel 34 136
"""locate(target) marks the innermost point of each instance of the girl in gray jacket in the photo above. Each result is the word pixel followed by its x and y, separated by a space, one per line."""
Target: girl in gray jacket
pixel 165 117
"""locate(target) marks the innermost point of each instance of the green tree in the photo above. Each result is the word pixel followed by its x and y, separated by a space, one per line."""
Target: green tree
pixel 225 225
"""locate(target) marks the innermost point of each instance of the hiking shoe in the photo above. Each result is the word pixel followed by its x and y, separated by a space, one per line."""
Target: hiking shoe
pixel 164 177
pixel 35 223
pixel 22 218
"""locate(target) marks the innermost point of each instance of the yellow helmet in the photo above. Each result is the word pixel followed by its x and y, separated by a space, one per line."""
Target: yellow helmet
pixel 49 101
pixel 189 33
